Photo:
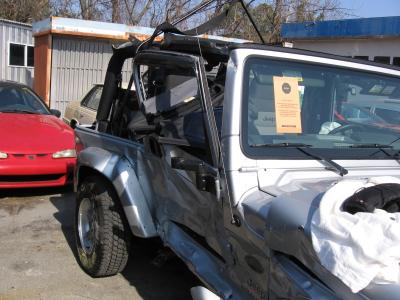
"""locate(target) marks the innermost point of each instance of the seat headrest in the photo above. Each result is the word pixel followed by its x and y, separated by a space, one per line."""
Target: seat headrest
pixel 261 91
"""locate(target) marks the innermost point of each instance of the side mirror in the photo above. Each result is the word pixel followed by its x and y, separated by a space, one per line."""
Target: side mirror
pixel 73 123
pixel 55 112
pixel 206 176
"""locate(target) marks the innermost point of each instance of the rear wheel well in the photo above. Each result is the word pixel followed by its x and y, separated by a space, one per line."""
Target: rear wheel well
pixel 84 172
pixel 145 215
pixel 102 232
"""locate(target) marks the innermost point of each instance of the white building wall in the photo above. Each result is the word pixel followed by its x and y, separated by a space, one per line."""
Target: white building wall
pixel 18 33
pixel 77 64
pixel 354 47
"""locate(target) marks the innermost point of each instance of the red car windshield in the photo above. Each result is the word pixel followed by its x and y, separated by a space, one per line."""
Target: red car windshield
pixel 20 99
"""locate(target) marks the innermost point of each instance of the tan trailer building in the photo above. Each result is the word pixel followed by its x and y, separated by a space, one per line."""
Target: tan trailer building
pixel 72 55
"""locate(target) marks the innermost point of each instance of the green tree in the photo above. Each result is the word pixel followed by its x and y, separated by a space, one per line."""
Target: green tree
pixel 271 14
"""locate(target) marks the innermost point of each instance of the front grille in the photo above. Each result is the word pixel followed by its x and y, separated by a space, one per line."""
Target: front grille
pixel 29 156
pixel 25 178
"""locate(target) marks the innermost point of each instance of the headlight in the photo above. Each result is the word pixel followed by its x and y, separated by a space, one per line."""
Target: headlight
pixel 3 155
pixel 65 153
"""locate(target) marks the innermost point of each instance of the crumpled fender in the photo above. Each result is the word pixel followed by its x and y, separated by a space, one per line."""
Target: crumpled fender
pixel 288 222
pixel 122 175
pixel 288 231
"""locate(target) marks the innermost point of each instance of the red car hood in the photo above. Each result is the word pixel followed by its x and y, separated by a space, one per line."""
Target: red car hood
pixel 29 134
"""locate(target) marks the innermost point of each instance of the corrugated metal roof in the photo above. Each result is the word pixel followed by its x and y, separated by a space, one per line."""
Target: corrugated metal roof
pixel 349 28
pixel 15 23
pixel 67 26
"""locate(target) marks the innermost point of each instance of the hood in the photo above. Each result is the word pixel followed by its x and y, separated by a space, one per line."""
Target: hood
pixel 282 215
pixel 30 133
pixel 283 210
pixel 283 221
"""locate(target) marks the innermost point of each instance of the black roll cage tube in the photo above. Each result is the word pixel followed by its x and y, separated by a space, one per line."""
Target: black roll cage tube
pixel 129 50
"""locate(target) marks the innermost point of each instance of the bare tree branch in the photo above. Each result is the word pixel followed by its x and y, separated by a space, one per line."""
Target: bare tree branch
pixel 143 12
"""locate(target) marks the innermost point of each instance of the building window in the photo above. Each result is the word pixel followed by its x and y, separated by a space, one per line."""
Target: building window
pixel 382 59
pixel 29 56
pixel 396 61
pixel 17 55
pixel 361 57
pixel 21 55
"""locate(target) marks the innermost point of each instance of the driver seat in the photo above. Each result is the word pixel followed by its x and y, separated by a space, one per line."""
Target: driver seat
pixel 315 109
pixel 262 107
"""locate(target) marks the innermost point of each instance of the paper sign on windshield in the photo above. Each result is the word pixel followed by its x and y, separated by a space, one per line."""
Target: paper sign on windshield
pixel 287 105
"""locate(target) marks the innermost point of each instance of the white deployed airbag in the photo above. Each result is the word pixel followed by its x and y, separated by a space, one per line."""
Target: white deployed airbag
pixel 358 248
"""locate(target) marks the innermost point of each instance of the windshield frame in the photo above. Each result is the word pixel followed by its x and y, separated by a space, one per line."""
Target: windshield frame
pixel 291 152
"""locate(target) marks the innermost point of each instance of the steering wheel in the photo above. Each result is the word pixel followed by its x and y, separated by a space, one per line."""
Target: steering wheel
pixel 346 127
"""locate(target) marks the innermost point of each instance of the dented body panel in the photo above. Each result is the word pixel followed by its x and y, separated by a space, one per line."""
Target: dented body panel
pixel 241 223
pixel 116 160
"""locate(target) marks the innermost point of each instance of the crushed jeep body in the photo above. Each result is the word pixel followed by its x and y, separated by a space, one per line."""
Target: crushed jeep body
pixel 226 160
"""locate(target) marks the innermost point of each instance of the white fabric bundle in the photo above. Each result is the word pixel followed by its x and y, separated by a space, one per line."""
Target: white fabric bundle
pixel 359 248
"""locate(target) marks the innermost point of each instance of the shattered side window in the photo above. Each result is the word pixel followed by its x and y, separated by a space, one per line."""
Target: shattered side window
pixel 167 87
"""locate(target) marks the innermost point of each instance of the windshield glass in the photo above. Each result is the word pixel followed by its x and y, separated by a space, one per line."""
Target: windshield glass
pixel 20 99
pixel 334 110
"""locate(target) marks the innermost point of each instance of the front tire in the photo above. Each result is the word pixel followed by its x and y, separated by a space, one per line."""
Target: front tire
pixel 101 231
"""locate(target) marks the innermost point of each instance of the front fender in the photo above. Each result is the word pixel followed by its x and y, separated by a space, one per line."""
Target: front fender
pixel 122 175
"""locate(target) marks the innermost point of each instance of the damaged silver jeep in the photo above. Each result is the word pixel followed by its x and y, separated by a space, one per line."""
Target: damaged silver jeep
pixel 224 154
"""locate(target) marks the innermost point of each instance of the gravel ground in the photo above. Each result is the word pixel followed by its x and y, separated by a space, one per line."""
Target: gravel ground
pixel 37 258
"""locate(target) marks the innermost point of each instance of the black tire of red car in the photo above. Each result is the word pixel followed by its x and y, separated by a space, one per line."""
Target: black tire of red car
pixel 111 239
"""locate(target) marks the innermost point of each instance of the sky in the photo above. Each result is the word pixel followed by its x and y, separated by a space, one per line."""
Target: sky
pixel 371 8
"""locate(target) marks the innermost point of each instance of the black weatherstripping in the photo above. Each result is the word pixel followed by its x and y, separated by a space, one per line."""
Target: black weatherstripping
pixel 381 148
pixel 370 146
pixel 213 51
pixel 281 145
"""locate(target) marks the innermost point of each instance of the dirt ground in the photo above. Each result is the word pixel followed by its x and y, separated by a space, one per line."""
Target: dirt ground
pixel 37 258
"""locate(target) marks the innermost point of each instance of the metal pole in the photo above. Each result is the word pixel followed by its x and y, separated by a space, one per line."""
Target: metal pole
pixel 193 11
pixel 188 15
pixel 252 21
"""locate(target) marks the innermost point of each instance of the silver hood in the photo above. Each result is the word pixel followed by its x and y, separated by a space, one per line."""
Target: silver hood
pixel 282 216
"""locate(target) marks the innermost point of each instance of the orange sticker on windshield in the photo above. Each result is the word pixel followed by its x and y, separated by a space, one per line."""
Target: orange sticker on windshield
pixel 287 105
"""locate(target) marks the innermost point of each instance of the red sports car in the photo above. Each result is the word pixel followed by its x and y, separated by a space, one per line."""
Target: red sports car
pixel 37 149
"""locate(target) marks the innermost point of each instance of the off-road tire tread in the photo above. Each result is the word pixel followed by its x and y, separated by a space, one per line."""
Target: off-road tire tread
pixel 114 233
